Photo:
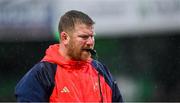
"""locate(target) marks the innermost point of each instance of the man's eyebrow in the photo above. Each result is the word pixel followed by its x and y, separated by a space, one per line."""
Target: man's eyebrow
pixel 85 35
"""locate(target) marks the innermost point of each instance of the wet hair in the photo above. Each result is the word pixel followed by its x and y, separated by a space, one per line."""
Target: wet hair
pixel 69 19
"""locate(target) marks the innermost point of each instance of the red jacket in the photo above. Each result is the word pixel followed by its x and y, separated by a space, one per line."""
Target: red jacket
pixel 59 80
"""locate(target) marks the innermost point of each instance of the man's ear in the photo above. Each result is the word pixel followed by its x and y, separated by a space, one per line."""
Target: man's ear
pixel 64 38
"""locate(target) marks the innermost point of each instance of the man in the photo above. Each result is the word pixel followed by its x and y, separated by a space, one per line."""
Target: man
pixel 67 73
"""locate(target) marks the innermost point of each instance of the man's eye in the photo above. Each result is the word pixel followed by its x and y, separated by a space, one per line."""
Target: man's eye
pixel 84 37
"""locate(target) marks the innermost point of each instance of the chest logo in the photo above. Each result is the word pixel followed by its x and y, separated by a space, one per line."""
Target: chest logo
pixel 65 90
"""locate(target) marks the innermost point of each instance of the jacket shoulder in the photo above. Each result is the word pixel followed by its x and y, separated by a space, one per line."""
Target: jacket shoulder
pixel 37 83
pixel 103 70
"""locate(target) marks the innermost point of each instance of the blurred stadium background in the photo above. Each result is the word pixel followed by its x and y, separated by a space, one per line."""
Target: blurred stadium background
pixel 139 40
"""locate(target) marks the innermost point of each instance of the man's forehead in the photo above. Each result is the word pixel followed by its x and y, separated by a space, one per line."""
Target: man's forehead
pixel 83 26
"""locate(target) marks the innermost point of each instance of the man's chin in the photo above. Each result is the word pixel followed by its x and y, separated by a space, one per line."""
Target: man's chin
pixel 85 56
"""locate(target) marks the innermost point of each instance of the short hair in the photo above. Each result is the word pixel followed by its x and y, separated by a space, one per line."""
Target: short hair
pixel 69 19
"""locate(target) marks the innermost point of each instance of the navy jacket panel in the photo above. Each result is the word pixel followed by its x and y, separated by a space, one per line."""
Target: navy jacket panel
pixel 102 69
pixel 37 84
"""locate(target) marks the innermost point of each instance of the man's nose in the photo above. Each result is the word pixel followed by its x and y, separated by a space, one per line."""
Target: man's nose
pixel 90 41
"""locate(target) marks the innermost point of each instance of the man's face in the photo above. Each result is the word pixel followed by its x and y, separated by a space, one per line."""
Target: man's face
pixel 81 38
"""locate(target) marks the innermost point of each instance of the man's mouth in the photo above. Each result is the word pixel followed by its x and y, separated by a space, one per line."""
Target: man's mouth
pixel 90 50
pixel 86 49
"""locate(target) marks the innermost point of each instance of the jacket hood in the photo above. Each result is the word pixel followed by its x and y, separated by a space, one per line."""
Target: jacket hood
pixel 53 56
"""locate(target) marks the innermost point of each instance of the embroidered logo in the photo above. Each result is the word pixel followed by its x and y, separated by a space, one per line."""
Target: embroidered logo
pixel 65 90
pixel 96 86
